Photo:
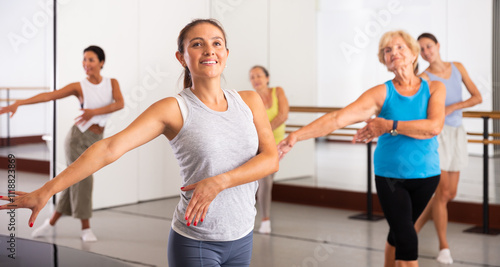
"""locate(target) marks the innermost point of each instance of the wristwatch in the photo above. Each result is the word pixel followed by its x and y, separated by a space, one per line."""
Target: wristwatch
pixel 394 131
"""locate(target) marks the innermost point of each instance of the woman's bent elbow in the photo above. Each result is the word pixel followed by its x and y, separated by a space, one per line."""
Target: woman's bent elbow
pixel 436 131
pixel 121 105
pixel 479 99
pixel 274 164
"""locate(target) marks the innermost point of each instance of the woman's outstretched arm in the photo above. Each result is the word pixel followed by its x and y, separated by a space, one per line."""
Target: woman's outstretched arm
pixel 163 117
pixel 367 105
pixel 68 90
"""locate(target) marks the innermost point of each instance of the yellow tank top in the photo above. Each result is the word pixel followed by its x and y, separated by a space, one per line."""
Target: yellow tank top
pixel 272 112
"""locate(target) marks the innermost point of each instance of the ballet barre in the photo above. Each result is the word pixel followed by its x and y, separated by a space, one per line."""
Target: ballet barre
pixel 8 99
pixel 368 215
pixel 486 116
pixel 486 141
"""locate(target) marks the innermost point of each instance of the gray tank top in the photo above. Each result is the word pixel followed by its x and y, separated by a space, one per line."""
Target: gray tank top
pixel 453 94
pixel 211 143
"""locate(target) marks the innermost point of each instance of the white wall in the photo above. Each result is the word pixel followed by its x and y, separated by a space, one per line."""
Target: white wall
pixel 26 54
pixel 469 36
pixel 347 55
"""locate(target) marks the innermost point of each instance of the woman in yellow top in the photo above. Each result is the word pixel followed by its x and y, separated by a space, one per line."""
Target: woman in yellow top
pixel 277 111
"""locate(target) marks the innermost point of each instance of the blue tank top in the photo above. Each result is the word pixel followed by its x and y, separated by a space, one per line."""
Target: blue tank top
pixel 453 94
pixel 402 156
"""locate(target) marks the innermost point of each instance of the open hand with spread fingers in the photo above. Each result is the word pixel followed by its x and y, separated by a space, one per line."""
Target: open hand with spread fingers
pixel 35 201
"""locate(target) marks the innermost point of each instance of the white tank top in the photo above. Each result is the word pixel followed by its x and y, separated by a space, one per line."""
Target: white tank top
pixel 96 96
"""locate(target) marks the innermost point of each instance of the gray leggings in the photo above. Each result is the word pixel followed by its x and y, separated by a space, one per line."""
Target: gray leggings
pixel 264 195
pixel 187 252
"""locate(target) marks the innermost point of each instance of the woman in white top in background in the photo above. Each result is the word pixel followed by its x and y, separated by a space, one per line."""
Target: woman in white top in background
pixel 99 97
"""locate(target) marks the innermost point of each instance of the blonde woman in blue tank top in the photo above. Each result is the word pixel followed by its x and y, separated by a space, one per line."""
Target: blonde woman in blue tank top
pixel 452 140
pixel 223 143
pixel 277 111
pixel 99 97
pixel 410 114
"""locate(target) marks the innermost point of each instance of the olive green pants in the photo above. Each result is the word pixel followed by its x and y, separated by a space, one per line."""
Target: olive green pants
pixel 76 200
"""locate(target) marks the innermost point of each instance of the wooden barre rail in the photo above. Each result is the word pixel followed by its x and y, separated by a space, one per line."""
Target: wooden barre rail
pixel 466 114
pixel 484 115
pixel 481 134
pixel 494 142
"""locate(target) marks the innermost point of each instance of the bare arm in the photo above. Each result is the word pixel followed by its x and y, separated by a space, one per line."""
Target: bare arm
pixel 367 105
pixel 419 129
pixel 68 90
pixel 430 127
pixel 263 164
pixel 475 96
pixel 117 104
pixel 161 117
pixel 283 109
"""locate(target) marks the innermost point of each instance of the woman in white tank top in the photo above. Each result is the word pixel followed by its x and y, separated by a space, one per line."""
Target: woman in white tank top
pixel 99 97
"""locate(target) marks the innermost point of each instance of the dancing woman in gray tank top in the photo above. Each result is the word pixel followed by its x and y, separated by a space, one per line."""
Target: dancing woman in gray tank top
pixel 223 142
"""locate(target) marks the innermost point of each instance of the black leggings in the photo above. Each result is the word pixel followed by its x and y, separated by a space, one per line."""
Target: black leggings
pixel 403 200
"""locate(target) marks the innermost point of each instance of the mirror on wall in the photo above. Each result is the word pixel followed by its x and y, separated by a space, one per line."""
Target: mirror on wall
pixel 315 61
pixel 347 65
pixel 27 50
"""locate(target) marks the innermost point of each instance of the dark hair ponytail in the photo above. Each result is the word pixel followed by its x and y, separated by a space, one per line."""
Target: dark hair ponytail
pixel 187 78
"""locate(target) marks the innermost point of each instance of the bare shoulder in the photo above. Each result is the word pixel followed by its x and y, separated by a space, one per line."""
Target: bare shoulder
pixel 376 90
pixel 436 86
pixel 251 98
pixel 74 86
pixel 376 95
pixel 166 104
pixel 279 90
pixel 460 67
pixel 424 76
pixel 248 95
pixel 114 81
pixel 458 64
pixel 73 89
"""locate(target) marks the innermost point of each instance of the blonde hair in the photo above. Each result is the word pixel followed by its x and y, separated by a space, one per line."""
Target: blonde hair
pixel 410 42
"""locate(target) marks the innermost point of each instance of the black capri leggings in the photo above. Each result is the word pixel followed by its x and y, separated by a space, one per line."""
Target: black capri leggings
pixel 403 200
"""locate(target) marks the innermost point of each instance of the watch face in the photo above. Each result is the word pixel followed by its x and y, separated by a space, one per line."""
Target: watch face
pixel 394 132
